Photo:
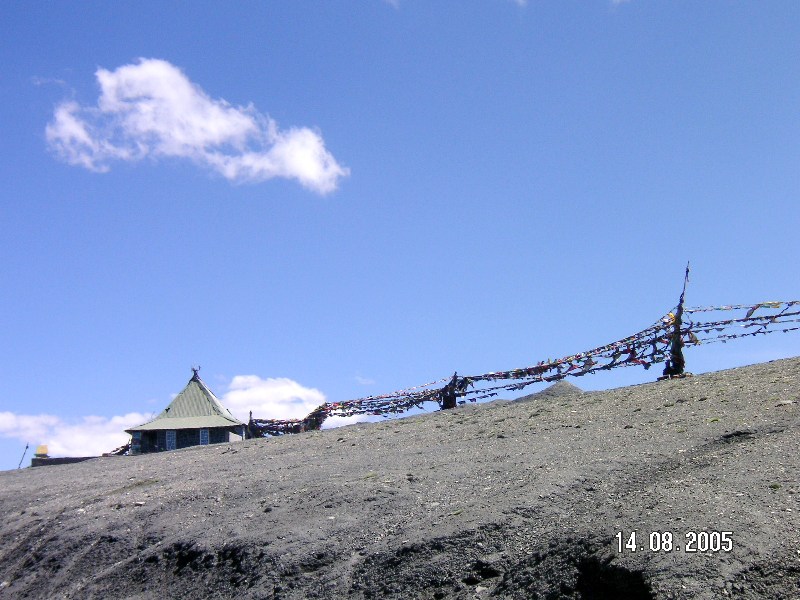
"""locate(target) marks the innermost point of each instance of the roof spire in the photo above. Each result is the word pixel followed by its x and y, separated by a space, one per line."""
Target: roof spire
pixel 196 373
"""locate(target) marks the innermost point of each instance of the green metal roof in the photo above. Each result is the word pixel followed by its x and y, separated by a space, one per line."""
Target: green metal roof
pixel 195 407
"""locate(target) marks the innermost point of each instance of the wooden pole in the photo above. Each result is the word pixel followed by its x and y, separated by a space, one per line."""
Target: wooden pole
pixel 677 363
pixel 23 456
pixel 449 393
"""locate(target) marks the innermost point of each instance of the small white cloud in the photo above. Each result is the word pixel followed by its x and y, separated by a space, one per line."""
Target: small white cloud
pixel 334 422
pixel 151 109
pixel 87 436
pixel 279 398
pixel 364 380
pixel 271 398
pixel 38 81
pixel 27 428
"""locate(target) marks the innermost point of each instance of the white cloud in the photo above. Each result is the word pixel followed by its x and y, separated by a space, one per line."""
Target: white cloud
pixel 333 422
pixel 277 398
pixel 87 436
pixel 364 380
pixel 37 81
pixel 271 398
pixel 152 110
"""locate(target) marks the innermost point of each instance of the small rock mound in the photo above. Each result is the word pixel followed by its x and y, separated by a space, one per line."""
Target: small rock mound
pixel 560 389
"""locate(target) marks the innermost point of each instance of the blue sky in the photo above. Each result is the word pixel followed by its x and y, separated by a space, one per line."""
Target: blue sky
pixel 326 200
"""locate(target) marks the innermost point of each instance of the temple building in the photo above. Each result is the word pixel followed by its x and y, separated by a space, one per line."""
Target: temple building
pixel 194 418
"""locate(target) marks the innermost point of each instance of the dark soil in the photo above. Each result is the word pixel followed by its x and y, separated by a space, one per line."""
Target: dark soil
pixel 503 500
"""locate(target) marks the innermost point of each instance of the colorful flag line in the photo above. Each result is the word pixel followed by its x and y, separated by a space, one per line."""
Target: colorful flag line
pixel 645 348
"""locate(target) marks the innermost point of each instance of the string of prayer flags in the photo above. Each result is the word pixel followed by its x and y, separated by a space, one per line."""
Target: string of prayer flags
pixel 644 348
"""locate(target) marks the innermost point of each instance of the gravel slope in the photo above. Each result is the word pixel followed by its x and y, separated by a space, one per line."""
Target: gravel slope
pixel 513 499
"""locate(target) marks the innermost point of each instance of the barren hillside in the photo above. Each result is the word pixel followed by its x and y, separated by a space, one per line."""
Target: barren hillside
pixel 516 499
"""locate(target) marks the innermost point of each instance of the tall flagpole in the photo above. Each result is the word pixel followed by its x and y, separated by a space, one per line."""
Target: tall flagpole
pixel 677 363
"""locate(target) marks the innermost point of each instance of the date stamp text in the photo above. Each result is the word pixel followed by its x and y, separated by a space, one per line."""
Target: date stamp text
pixel 667 541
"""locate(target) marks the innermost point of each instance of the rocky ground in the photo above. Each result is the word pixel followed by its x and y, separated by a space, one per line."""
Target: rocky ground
pixel 513 499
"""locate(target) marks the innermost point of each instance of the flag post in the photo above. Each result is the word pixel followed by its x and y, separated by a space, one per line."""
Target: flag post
pixel 19 466
pixel 676 364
